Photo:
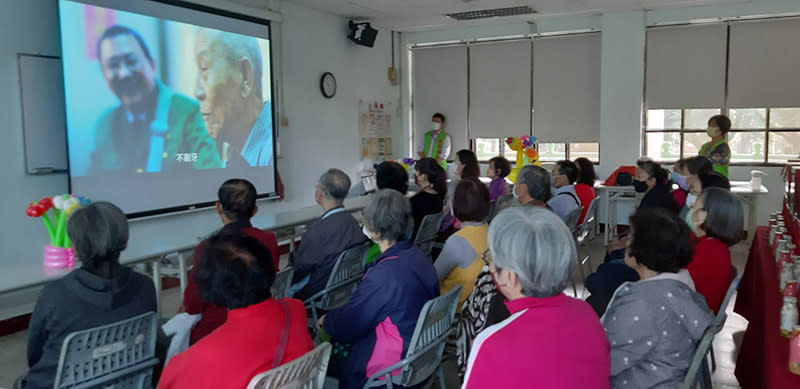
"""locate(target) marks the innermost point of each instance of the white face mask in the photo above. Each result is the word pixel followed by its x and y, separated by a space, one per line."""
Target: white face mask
pixel 514 192
pixel 436 126
pixel 368 234
pixel 712 131
pixel 690 200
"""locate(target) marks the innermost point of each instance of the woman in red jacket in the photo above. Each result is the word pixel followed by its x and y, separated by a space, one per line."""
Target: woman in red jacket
pixel 260 333
pixel 719 219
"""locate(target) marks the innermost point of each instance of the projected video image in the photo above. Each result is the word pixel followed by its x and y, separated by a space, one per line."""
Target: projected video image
pixel 147 95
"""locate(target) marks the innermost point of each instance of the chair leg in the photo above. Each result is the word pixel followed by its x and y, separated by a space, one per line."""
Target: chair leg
pixel 705 376
pixel 157 283
pixel 182 272
pixel 713 359
pixel 440 373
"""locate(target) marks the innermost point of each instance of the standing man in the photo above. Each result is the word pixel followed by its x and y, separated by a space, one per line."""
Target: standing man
pixel 153 127
pixel 717 150
pixel 229 88
pixel 436 142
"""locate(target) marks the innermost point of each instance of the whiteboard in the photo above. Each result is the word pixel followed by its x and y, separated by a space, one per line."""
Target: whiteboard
pixel 41 80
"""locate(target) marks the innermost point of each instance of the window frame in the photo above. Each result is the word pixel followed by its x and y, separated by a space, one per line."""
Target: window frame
pixel 512 158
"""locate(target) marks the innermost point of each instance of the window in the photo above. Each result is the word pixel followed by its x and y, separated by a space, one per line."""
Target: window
pixel 757 136
pixel 488 148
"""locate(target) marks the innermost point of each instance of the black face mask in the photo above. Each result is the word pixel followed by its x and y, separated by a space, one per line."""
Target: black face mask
pixel 639 186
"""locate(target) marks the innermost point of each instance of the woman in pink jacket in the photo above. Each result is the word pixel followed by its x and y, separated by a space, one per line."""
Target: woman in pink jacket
pixel 550 340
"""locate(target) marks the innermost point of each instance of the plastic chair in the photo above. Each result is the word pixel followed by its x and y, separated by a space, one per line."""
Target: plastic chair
pixel 283 282
pixel 699 364
pixel 306 372
pixel 345 276
pixel 427 232
pixel 719 319
pixel 584 233
pixel 424 355
pixel 114 355
pixel 571 219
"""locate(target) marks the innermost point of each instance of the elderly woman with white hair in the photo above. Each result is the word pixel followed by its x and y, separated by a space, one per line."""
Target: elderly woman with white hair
pixel 550 340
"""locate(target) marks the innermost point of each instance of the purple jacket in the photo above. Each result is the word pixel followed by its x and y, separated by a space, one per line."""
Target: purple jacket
pixel 497 188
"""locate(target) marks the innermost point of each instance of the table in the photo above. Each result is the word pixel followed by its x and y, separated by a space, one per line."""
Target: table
pixel 615 193
pixel 763 360
pixel 154 238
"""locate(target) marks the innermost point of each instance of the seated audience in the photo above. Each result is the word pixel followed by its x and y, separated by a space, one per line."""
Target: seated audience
pixel 651 179
pixel 467 164
pixel 584 187
pixel 236 205
pixel 236 272
pixel 460 262
pixel 678 177
pixel 719 222
pixel 697 165
pixel 533 187
pixel 499 169
pixel 432 182
pixel 100 292
pixel 336 231
pixel 380 318
pixel 391 175
pixel 551 340
pixel 564 200
pixel 697 184
pixel 654 324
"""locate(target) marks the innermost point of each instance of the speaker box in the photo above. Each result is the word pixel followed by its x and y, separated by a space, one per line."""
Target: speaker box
pixel 362 34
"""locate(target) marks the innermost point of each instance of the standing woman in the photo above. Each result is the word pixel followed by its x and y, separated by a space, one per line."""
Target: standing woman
pixel 717 149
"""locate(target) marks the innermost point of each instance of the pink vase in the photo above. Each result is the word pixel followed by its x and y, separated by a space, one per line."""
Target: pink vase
pixel 794 351
pixel 58 257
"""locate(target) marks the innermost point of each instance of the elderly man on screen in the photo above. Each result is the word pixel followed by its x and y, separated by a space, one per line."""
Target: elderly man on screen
pixel 229 88
pixel 154 127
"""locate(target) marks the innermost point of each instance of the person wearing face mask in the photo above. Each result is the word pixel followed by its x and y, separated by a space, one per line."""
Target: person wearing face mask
pixel 153 124
pixel 432 181
pixel 436 142
pixel 531 253
pixel 565 199
pixel 697 184
pixel 380 317
pixel 719 222
pixel 651 180
pixel 717 149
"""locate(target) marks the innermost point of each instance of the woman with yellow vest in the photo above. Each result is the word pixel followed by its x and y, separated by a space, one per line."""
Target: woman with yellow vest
pixel 436 143
pixel 717 150
pixel 461 260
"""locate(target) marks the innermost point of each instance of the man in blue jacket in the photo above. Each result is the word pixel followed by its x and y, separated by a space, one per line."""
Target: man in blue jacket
pixel 379 319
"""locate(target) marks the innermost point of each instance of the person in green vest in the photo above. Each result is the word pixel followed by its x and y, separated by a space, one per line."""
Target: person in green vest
pixel 436 142
pixel 154 128
pixel 717 150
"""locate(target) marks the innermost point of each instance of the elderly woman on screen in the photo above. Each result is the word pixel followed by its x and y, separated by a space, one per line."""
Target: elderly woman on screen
pixel 379 319
pixel 100 292
pixel 550 340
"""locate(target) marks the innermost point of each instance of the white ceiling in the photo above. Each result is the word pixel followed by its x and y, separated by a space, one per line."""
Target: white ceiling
pixel 415 15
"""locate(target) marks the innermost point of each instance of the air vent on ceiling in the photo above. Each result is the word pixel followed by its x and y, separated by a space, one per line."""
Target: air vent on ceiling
pixel 492 13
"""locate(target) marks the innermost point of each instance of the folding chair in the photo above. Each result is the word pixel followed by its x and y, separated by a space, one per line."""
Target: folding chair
pixel 584 232
pixel 345 276
pixel 699 364
pixel 427 232
pixel 424 355
pixel 307 372
pixel 114 355
pixel 283 282
pixel 721 316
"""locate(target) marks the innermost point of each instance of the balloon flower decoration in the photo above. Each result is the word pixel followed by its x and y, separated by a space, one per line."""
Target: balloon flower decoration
pixel 526 153
pixel 59 253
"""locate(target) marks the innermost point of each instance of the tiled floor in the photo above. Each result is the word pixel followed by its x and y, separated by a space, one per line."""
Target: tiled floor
pixel 12 347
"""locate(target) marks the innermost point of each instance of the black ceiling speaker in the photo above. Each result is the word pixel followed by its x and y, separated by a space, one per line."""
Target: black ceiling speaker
pixel 362 34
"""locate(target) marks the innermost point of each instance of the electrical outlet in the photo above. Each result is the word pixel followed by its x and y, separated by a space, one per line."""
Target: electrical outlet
pixel 285 121
pixel 392 73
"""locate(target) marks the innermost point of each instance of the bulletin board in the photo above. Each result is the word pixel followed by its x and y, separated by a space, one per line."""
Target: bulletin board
pixel 375 130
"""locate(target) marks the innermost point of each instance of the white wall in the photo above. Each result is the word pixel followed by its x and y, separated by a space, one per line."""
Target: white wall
pixel 322 133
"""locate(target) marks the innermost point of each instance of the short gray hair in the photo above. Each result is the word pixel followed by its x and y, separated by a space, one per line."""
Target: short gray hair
pixel 241 46
pixel 534 243
pixel 99 232
pixel 335 184
pixel 538 181
pixel 389 216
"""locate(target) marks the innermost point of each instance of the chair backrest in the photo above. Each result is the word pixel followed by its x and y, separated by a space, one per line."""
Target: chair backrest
pixel 571 220
pixel 283 283
pixel 428 231
pixel 306 372
pixel 121 354
pixel 719 319
pixel 588 220
pixel 345 276
pixel 699 356
pixel 428 340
